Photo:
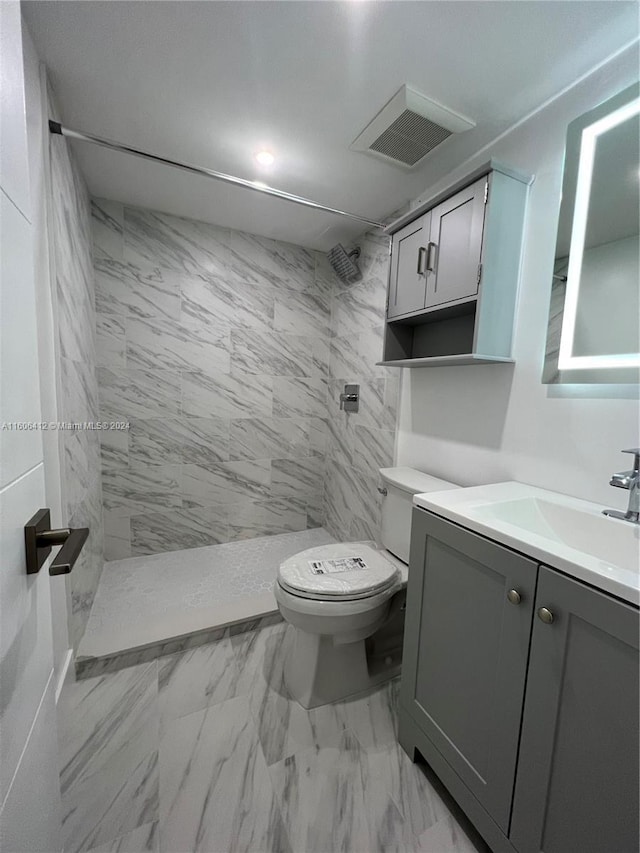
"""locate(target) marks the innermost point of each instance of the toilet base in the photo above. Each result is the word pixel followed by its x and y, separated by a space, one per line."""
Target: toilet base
pixel 318 672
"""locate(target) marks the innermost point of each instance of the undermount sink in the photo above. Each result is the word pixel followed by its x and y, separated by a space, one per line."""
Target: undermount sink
pixel 566 533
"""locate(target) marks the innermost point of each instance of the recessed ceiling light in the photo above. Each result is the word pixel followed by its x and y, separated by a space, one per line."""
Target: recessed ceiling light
pixel 265 158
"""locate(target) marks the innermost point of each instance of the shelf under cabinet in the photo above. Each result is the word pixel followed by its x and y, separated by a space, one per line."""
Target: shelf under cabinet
pixel 444 360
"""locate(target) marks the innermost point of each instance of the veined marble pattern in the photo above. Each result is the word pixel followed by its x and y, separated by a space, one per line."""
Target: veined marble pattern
pixel 125 290
pixel 214 346
pixel 167 343
pixel 203 750
pixel 78 345
pixel 244 343
pixel 266 438
pixel 357 445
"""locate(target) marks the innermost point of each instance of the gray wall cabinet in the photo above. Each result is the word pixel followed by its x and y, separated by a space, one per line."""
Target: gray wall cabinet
pixel 407 283
pixel 494 698
pixel 454 270
pixel 454 251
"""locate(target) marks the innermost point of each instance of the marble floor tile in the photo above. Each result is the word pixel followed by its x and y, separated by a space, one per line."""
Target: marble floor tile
pixel 196 679
pixel 284 727
pixel 120 797
pixel 371 717
pixel 333 781
pixel 143 839
pixel 237 766
pixel 446 836
pixel 99 717
pixel 215 789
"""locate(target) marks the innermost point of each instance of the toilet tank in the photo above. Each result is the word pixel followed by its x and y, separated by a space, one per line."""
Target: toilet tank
pixel 402 484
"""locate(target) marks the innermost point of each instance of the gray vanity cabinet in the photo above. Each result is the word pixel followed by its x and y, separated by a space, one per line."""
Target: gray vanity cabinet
pixel 407 280
pixel 550 768
pixel 465 653
pixel 455 246
pixel 577 783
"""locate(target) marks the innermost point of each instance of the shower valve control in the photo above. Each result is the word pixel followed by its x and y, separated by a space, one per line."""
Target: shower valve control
pixel 350 399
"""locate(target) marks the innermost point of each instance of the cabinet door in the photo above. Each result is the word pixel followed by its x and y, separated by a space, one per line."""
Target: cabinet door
pixel 577 783
pixel 465 653
pixel 407 283
pixel 455 246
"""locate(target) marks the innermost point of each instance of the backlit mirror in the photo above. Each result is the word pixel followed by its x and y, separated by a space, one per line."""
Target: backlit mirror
pixel 594 322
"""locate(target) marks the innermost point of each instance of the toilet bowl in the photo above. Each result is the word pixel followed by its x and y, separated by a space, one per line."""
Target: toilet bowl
pixel 345 602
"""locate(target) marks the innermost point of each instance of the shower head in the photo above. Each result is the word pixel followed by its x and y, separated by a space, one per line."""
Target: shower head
pixel 345 263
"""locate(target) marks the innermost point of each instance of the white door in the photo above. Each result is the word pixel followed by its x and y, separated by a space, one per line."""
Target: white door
pixel 29 783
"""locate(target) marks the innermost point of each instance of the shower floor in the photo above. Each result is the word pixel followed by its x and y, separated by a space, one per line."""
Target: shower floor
pixel 144 602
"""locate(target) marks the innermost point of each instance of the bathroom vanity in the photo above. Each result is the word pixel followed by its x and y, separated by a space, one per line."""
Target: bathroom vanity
pixel 520 668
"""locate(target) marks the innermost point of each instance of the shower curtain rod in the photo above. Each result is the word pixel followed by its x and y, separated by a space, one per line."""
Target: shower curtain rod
pixel 56 128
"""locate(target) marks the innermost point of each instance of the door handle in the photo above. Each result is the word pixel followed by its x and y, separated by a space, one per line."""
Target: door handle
pixel 431 251
pixel 39 538
pixel 420 267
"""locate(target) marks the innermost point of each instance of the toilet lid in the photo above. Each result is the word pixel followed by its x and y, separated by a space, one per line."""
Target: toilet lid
pixel 344 570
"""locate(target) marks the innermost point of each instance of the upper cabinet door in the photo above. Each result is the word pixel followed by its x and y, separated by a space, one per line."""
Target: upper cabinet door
pixel 577 783
pixel 407 282
pixel 455 246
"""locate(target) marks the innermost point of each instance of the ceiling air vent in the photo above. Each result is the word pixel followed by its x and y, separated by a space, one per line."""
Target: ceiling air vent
pixel 408 127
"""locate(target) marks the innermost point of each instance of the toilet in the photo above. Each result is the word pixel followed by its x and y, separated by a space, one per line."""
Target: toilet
pixel 345 602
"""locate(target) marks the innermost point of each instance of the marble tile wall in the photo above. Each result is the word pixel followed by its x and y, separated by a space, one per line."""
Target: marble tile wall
pixel 358 444
pixel 77 382
pixel 215 346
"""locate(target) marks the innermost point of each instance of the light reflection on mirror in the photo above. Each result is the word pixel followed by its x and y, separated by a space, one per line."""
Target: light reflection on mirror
pixel 594 317
pixel 604 248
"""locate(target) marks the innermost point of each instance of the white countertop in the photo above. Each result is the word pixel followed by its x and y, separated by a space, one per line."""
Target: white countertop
pixel 560 531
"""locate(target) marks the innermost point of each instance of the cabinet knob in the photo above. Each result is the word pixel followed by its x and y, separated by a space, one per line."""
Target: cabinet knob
pixel 514 597
pixel 546 615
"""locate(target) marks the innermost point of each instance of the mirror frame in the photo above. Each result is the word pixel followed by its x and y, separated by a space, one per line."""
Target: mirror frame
pixel 560 365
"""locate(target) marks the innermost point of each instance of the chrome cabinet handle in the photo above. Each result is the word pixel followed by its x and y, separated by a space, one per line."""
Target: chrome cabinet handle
pixel 514 597
pixel 39 538
pixel 421 254
pixel 431 252
pixel 545 615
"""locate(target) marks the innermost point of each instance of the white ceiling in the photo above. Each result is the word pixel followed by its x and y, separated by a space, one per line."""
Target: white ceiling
pixel 212 82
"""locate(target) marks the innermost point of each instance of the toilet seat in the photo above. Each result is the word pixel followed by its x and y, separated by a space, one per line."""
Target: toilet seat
pixel 329 582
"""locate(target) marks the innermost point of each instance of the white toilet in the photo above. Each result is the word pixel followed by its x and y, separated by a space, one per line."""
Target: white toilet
pixel 346 602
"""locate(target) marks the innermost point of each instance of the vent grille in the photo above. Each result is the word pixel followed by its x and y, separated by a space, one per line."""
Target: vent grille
pixel 409 127
pixel 409 138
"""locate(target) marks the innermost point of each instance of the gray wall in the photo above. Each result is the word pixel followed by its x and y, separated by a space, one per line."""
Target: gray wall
pixel 214 345
pixel 359 444
pixel 77 385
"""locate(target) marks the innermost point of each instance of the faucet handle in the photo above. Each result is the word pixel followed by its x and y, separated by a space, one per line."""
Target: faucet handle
pixel 636 452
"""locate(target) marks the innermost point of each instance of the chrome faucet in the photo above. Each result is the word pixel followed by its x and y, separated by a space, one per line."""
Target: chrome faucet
pixel 629 480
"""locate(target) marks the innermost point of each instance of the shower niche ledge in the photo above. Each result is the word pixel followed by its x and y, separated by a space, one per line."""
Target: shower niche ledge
pixel 453 273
